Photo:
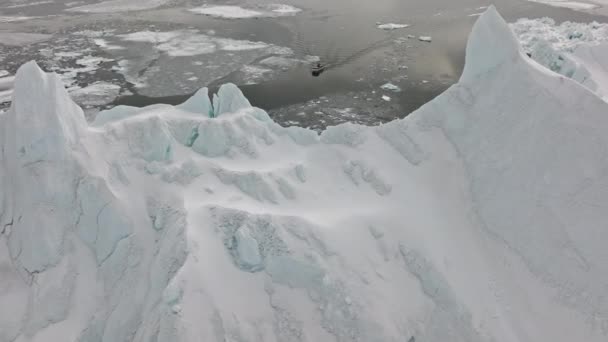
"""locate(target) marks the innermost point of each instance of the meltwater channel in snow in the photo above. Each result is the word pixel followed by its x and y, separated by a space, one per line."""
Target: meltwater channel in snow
pixel 479 217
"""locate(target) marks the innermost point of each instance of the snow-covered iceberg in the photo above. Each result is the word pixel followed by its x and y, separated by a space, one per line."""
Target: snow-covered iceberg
pixel 480 217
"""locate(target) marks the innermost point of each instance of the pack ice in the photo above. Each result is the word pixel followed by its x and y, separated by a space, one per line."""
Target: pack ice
pixel 480 217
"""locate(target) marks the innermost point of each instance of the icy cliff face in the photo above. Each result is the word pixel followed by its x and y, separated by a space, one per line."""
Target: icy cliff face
pixel 481 217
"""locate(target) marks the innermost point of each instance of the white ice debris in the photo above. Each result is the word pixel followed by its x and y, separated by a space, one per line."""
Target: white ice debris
pixel 253 74
pixel 102 43
pixel 222 56
pixel 479 217
pixel 28 4
pixel 96 94
pixel 191 43
pixel 119 6
pixel 386 98
pixel 392 26
pixel 391 87
pixel 11 19
pixel 238 12
pixel 6 86
pixel 228 12
pixel 425 39
pixel 281 62
pixel 575 5
pixel 283 9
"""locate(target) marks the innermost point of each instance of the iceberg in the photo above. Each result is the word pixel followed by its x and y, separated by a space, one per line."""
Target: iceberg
pixel 479 217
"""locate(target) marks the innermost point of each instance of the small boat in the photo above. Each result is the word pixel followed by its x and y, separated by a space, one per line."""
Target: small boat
pixel 318 69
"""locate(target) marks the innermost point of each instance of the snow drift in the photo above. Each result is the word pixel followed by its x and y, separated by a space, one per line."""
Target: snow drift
pixel 481 217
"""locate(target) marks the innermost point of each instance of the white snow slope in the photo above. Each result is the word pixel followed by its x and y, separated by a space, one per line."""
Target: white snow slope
pixel 480 217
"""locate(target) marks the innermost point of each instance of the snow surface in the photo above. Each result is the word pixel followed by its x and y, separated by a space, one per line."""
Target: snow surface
pixel 480 217
pixel 238 12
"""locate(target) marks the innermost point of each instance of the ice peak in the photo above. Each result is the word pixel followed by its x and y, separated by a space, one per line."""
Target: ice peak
pixel 43 118
pixel 229 99
pixel 490 44
pixel 199 103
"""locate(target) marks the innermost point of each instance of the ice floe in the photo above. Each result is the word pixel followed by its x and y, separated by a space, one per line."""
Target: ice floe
pixel 191 42
pixel 12 19
pixel 575 5
pixel 119 6
pixel 96 94
pixel 391 87
pixel 238 12
pixel 28 4
pixel 392 26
